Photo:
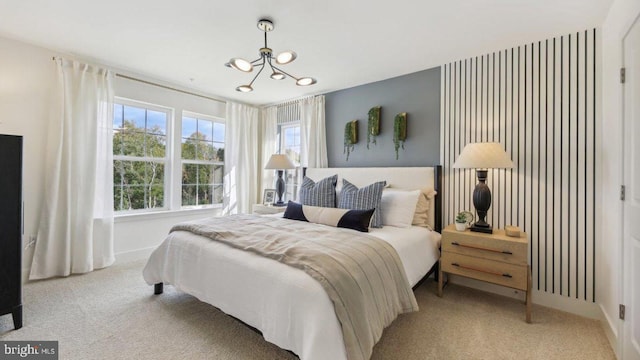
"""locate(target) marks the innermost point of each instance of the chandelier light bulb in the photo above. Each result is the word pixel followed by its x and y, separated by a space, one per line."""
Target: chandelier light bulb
pixel 241 64
pixel 286 57
pixel 305 81
pixel 277 76
pixel 244 88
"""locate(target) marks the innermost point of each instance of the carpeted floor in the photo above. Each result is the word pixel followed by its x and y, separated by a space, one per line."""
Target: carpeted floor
pixel 112 314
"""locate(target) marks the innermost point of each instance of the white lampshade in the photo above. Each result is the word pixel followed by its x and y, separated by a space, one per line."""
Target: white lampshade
pixel 483 156
pixel 279 162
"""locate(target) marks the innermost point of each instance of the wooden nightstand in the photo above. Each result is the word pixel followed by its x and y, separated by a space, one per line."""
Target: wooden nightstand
pixel 267 209
pixel 494 258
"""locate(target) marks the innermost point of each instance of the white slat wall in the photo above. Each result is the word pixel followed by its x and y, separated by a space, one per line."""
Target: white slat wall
pixel 539 101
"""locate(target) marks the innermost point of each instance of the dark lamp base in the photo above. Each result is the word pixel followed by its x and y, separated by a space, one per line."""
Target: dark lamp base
pixel 483 229
pixel 279 203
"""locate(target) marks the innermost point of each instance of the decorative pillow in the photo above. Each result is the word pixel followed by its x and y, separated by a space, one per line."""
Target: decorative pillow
pixel 368 197
pixel 398 207
pixel 421 216
pixel 322 193
pixel 344 218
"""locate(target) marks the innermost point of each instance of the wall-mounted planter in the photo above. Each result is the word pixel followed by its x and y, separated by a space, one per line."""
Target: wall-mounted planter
pixel 350 137
pixel 399 131
pixel 373 125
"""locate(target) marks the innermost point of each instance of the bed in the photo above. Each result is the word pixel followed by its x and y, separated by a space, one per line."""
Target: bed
pixel 289 307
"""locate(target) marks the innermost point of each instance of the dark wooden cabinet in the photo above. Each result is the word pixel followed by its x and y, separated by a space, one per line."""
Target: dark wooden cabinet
pixel 11 227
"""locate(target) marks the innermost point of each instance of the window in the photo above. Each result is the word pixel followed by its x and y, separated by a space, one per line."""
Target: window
pixel 139 155
pixel 202 143
pixel 290 145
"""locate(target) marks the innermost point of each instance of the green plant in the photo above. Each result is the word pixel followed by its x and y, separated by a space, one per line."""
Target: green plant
pixel 350 137
pixel 399 131
pixel 373 125
pixel 461 218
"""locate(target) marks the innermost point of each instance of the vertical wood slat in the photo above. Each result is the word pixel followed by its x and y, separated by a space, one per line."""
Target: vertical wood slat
pixel 539 101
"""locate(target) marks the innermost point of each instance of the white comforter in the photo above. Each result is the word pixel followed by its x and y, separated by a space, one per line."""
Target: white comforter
pixel 290 308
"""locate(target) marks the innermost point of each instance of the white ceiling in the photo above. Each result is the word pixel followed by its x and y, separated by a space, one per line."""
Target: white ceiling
pixel 342 43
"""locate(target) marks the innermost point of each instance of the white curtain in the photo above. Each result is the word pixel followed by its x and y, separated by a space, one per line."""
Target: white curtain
pixel 75 234
pixel 241 158
pixel 313 133
pixel 269 145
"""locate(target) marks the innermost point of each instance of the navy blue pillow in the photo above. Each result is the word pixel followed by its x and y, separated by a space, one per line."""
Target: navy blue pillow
pixel 322 193
pixel 344 218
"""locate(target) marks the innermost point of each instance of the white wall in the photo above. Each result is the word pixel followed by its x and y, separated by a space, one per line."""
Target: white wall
pixel 27 78
pixel 27 75
pixel 608 255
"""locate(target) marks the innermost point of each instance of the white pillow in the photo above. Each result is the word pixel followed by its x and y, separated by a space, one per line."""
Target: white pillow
pixel 398 207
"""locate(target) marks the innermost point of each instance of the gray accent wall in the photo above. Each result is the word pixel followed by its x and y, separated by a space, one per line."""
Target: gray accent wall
pixel 417 94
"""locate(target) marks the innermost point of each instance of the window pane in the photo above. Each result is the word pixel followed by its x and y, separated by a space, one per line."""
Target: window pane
pixel 189 193
pixel 154 183
pixel 205 128
pixel 218 132
pixel 189 127
pixel 218 174
pixel 289 134
pixel 132 143
pixel 218 152
pixel 205 195
pixel 117 142
pixel 205 150
pixel 134 117
pixel 117 116
pixel 189 149
pixel 156 122
pixel 155 197
pixel 189 174
pixel 217 194
pixel 156 145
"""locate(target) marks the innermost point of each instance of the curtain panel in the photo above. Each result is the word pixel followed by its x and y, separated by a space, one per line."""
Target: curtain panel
pixel 242 175
pixel 313 133
pixel 75 234
pixel 270 146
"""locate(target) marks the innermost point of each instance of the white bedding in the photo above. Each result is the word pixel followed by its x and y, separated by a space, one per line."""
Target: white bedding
pixel 290 308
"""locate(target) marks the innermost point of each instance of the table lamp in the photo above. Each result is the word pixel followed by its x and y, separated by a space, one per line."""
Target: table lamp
pixel 279 162
pixel 482 156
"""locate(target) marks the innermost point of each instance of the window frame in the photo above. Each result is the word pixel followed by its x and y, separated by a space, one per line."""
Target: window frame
pixel 214 119
pixel 166 161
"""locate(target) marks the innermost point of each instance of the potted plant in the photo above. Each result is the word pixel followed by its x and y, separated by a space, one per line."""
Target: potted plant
pixel 463 220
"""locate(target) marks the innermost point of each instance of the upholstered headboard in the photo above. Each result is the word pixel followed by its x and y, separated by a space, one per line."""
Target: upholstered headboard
pixel 409 178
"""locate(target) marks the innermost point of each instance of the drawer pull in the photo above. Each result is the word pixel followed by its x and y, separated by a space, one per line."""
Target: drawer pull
pixel 506 252
pixel 480 270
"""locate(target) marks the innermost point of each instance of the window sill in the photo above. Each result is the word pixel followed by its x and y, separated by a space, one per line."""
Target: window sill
pixel 167 214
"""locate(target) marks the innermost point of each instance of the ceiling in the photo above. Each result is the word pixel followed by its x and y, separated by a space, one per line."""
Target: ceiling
pixel 342 43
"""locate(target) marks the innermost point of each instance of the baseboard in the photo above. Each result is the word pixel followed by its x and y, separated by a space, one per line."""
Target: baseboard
pixel 610 329
pixel 563 303
pixel 133 255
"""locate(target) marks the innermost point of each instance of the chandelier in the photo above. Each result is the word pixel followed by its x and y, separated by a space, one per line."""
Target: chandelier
pixel 268 59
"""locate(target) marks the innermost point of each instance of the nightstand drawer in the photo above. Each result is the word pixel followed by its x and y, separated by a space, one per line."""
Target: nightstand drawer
pixel 514 276
pixel 491 248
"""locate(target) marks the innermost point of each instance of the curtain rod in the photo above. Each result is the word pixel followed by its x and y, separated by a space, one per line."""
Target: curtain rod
pixel 161 86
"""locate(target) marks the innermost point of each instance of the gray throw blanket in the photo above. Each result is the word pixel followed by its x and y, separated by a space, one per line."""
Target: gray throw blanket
pixel 362 275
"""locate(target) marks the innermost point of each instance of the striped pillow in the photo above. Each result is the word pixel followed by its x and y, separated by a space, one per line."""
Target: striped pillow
pixel 368 197
pixel 322 193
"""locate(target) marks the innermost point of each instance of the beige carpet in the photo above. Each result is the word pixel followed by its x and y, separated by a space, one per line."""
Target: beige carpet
pixel 112 314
